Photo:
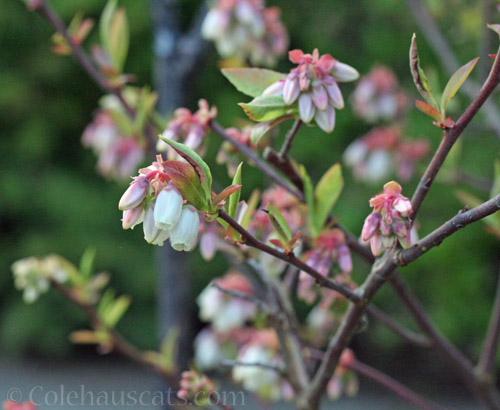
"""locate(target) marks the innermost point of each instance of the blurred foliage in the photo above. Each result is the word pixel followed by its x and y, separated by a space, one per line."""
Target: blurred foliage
pixel 52 200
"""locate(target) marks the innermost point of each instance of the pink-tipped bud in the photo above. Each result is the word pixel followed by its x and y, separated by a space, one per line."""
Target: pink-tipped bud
pixel 326 119
pixel 335 96
pixel 371 225
pixel 168 208
pixel 403 206
pixel 135 194
pixel 132 217
pixel 400 229
pixel 320 97
pixel 344 258
pixel 385 227
pixel 306 108
pixel 344 73
pixel 304 80
pixel 184 235
pixel 275 88
pixel 291 90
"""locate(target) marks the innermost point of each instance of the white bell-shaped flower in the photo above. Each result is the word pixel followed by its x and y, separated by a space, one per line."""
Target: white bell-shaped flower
pixel 168 208
pixel 183 236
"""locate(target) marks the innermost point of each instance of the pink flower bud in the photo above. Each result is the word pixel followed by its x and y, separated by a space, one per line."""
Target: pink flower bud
pixel 320 97
pixel 403 206
pixel 304 80
pixel 334 95
pixel 326 119
pixel 376 244
pixel 371 225
pixel 344 73
pixel 183 236
pixel 135 194
pixel 275 88
pixel 132 217
pixel 344 258
pixel 291 90
pixel 400 229
pixel 306 107
pixel 168 208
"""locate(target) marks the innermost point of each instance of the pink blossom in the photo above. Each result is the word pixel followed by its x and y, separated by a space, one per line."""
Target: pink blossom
pixel 389 221
pixel 314 84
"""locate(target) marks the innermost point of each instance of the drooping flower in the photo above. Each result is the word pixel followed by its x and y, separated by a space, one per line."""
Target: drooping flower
pixel 379 97
pixel 313 87
pixel 389 221
pixel 168 208
pixel 245 29
pixel 184 234
pixel 208 350
pixel 188 128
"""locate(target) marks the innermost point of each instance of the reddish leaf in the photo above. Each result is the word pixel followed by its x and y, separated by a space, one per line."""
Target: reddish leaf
pixel 225 193
pixel 428 110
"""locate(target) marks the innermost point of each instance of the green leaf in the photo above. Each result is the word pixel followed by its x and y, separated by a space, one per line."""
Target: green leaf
pixel 495 28
pixel 234 199
pixel 252 81
pixel 119 38
pixel 145 106
pixel 87 262
pixel 265 108
pixel 261 129
pixel 455 83
pixel 196 162
pixel 419 77
pixel 105 24
pixel 430 111
pixel 309 197
pixel 279 224
pixel 326 194
pixel 116 310
pixel 186 180
pixel 252 204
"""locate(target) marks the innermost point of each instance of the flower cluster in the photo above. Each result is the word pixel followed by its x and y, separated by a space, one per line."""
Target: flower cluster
pixel 328 247
pixel 389 221
pixel 33 275
pixel 375 155
pixel 246 29
pixel 196 387
pixel 313 86
pixel 222 310
pixel 189 128
pixel 378 96
pixel 118 155
pixel 155 201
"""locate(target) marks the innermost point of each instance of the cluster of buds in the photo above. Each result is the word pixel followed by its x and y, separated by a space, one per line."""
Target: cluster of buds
pixel 344 380
pixel 33 275
pixel 261 349
pixel 389 221
pixel 375 155
pixel 246 29
pixel 155 201
pixel 12 405
pixel 118 155
pixel 313 87
pixel 189 128
pixel 195 387
pixel 222 310
pixel 379 97
pixel 328 247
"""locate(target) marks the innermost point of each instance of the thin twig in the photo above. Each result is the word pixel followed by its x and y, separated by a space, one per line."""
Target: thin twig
pixel 486 364
pixel 451 135
pixel 244 296
pixel 407 334
pixel 287 144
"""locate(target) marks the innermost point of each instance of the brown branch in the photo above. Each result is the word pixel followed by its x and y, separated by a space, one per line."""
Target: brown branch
pixel 486 364
pixel 244 296
pixel 287 144
pixel 290 258
pixel 451 135
pixel 407 334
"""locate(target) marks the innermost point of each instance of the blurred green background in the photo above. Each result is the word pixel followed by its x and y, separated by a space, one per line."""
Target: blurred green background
pixel 51 199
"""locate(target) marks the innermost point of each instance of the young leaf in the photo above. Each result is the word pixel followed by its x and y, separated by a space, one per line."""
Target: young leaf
pixel 252 81
pixel 419 77
pixel 326 194
pixel 115 311
pixel 196 162
pixel 87 262
pixel 234 199
pixel 105 24
pixel 279 224
pixel 227 191
pixel 430 111
pixel 265 108
pixel 187 182
pixel 495 28
pixel 262 128
pixel 251 207
pixel 119 39
pixel 455 82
